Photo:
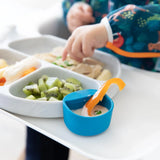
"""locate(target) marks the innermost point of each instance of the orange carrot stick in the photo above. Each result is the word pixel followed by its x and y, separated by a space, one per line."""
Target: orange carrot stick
pixel 98 96
pixel 28 71
pixel 2 81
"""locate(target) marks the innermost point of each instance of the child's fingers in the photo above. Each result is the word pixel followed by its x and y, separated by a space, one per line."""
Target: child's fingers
pixel 65 53
pixel 77 48
pixel 87 49
pixel 68 47
pixel 76 58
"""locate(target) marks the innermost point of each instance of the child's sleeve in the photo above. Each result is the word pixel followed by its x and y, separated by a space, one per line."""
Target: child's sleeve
pixel 134 28
pixel 66 5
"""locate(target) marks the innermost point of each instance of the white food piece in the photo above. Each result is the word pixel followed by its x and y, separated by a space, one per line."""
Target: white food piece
pixel 15 72
pixel 46 56
pixel 105 75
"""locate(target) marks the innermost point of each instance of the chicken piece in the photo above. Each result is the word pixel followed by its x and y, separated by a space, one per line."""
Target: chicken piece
pixel 82 68
pixel 72 61
pixel 67 63
pixel 46 57
pixel 96 70
pixel 92 61
pixel 105 75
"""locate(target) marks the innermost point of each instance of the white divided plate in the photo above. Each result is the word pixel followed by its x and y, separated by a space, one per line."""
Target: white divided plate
pixel 12 96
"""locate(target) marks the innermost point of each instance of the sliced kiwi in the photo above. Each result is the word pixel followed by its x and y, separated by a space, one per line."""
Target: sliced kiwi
pixel 78 88
pixel 51 88
pixel 42 99
pixel 69 86
pixel 44 77
pixel 53 99
pixel 42 85
pixel 65 91
pixel 52 92
pixel 73 81
pixel 31 97
pixel 31 90
pixel 52 82
pixel 43 94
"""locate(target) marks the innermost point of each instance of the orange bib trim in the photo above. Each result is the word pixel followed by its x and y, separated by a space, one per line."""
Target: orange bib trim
pixel 121 52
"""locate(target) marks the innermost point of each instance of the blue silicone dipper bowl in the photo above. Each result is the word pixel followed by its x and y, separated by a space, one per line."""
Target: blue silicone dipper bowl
pixel 86 126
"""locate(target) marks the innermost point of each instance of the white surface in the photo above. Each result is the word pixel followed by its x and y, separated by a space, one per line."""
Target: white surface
pixel 134 131
pixel 12 138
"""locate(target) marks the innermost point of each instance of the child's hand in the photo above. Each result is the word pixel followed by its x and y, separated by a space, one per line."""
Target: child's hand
pixel 79 14
pixel 84 40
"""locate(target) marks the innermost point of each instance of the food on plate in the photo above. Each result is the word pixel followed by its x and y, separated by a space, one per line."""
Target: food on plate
pixel 89 67
pixel 18 70
pixel 2 81
pixel 51 88
pixel 88 108
pixel 97 110
pixel 105 74
pixel 3 63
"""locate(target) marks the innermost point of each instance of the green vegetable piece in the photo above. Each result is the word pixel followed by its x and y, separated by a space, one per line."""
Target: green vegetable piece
pixel 67 63
pixel 27 92
pixel 31 90
pixel 78 88
pixel 42 99
pixel 31 97
pixel 73 81
pixel 97 112
pixel 52 82
pixel 42 85
pixel 30 83
pixel 70 87
pixel 53 99
pixel 67 88
pixel 43 94
pixel 60 96
pixel 65 91
pixel 52 92
pixel 58 57
pixel 61 66
pixel 63 82
pixel 55 63
pixel 45 77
